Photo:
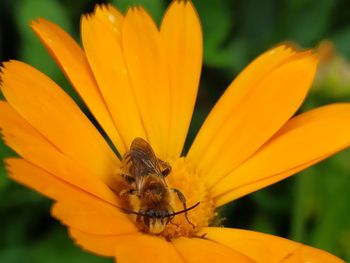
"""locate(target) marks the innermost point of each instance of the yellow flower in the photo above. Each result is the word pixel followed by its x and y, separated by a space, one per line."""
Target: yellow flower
pixel 139 81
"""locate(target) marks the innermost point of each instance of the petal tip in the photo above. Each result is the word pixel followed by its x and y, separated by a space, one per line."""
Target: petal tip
pixel 9 163
pixel 37 22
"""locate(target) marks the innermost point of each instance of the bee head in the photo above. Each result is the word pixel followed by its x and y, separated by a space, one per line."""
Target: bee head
pixel 156 220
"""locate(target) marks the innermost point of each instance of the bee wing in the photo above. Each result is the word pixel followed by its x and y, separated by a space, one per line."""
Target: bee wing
pixel 143 158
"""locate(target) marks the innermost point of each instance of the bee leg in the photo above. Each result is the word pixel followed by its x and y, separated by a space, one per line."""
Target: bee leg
pixel 170 220
pixel 166 168
pixel 182 199
pixel 203 236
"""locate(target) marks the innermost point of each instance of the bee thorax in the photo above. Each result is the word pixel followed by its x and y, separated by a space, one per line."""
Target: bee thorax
pixel 154 193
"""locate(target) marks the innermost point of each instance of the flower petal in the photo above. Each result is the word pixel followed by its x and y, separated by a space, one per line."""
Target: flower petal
pixel 182 36
pixel 267 248
pixel 93 216
pixel 45 183
pixel 31 145
pixel 100 245
pixel 147 65
pixel 110 16
pixel 72 61
pixel 148 248
pixel 102 44
pixel 201 250
pixel 301 142
pixel 245 83
pixel 75 208
pixel 253 108
pixel 55 115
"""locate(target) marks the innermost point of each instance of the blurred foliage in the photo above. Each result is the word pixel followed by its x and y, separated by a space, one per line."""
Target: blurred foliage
pixel 312 207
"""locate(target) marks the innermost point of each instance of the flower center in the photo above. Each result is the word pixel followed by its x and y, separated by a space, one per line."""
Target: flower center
pixel 189 182
pixel 157 200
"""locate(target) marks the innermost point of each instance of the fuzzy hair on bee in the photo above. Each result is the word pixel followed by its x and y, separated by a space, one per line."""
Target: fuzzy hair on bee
pixel 148 195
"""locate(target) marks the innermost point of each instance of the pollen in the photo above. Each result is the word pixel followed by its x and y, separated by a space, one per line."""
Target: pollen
pixel 186 179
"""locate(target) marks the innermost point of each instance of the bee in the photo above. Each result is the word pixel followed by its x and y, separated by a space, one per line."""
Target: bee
pixel 145 176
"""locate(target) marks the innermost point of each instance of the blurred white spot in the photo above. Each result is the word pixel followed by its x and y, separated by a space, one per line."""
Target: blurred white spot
pixel 111 18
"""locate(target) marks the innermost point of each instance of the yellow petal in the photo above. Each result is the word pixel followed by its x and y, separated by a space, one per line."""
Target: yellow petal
pixel 148 248
pixel 100 245
pixel 31 145
pixel 93 216
pixel 51 186
pixel 301 142
pixel 201 250
pixel 103 49
pixel 253 108
pixel 75 207
pixel 110 16
pixel 182 36
pixel 72 61
pixel 147 65
pixel 55 115
pixel 267 248
pixel 47 184
pixel 238 89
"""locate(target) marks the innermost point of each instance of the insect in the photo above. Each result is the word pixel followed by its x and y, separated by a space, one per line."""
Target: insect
pixel 148 192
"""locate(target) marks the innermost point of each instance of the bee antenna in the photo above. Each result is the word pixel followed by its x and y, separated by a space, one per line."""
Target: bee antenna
pixel 183 211
pixel 170 215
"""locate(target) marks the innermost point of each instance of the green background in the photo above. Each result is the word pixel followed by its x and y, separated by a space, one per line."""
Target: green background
pixel 312 207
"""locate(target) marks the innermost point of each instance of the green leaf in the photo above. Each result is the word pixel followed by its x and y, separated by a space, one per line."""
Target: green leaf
pixel 304 205
pixel 4 153
pixel 306 22
pixel 216 20
pixel 57 247
pixel 13 254
pixel 32 51
pixel 341 39
pixel 154 7
pixel 321 208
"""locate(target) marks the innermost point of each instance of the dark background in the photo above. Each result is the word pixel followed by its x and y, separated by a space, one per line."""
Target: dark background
pixel 312 207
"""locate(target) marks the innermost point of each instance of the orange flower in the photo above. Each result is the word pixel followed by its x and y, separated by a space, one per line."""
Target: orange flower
pixel 139 81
